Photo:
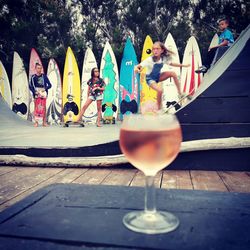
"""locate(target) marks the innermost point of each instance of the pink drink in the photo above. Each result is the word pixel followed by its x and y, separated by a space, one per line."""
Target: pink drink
pixel 150 150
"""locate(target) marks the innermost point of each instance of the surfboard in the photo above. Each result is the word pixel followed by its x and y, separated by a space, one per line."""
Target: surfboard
pixel 109 73
pixel 190 81
pixel 71 88
pixel 54 98
pixel 170 92
pixel 20 88
pixel 214 41
pixel 148 101
pixel 89 63
pixel 34 58
pixel 128 81
pixel 5 85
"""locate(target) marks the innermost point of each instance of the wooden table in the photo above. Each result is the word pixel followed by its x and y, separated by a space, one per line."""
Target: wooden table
pixel 72 216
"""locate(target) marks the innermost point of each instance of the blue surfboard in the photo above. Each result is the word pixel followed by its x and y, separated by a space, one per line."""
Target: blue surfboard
pixel 129 82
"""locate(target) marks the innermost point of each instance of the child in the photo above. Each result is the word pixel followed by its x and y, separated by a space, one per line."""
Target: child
pixel 161 55
pixel 39 85
pixel 96 86
pixel 225 39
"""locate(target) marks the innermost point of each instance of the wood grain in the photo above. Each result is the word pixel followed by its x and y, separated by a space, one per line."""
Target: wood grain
pixel 120 177
pixel 205 180
pixel 5 170
pixel 176 179
pixel 236 181
pixel 93 176
pixel 18 182
pixel 65 176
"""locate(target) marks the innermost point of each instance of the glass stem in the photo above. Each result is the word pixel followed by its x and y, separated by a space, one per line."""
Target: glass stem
pixel 150 206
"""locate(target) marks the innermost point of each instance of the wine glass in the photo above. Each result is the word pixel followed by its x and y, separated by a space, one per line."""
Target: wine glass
pixel 150 143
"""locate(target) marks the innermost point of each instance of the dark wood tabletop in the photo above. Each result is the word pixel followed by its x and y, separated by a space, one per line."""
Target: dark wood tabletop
pixel 72 216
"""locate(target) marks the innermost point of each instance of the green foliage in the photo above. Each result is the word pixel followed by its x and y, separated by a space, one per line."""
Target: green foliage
pixel 42 24
pixel 52 25
pixel 155 18
pixel 101 22
pixel 207 13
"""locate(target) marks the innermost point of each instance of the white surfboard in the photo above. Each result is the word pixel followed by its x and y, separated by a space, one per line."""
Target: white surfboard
pixel 89 63
pixel 214 41
pixel 5 91
pixel 170 92
pixel 190 81
pixel 109 73
pixel 20 88
pixel 54 98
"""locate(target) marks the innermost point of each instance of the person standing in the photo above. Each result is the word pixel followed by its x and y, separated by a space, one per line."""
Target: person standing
pixel 96 86
pixel 226 39
pixel 154 75
pixel 39 85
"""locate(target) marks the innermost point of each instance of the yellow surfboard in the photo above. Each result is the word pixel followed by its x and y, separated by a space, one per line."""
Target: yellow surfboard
pixel 71 88
pixel 5 91
pixel 147 95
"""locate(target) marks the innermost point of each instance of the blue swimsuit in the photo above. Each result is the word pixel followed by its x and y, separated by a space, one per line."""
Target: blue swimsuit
pixel 154 68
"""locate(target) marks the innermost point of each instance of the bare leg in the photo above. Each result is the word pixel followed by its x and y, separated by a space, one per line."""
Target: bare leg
pixel 158 88
pixel 44 120
pixel 99 112
pixel 165 75
pixel 44 117
pixel 35 108
pixel 85 106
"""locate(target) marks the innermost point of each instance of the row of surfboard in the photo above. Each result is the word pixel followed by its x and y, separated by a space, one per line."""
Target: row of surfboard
pixel 125 93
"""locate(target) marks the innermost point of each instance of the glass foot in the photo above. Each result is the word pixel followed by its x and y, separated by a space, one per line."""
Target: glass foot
pixel 151 223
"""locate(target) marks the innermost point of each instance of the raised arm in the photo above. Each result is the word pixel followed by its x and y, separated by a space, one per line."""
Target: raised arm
pixel 138 68
pixel 179 65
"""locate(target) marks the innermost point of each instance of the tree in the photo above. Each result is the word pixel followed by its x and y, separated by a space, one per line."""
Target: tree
pixel 207 13
pixel 52 25
pixel 100 22
pixel 156 18
pixel 42 24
